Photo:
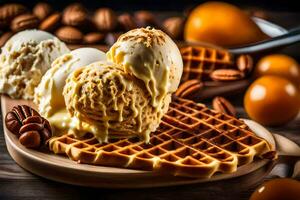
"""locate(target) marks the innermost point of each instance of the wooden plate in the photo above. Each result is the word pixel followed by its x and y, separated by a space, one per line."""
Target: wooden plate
pixel 62 169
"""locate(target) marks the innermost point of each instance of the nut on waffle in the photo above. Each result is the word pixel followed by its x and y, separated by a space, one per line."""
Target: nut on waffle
pixel 191 141
pixel 199 62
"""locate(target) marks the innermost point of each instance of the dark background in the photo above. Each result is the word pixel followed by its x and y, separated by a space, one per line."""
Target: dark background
pixel 167 5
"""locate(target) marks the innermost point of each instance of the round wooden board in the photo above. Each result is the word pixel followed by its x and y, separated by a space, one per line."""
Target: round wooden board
pixel 60 168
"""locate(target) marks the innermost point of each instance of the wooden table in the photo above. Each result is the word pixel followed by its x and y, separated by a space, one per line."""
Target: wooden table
pixel 16 183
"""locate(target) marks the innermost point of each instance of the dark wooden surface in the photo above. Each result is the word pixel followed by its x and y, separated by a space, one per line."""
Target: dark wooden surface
pixel 16 183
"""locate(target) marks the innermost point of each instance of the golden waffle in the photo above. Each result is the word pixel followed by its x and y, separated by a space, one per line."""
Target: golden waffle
pixel 192 141
pixel 199 62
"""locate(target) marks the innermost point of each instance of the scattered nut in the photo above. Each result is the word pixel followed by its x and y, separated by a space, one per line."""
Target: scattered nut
pixel 30 139
pixel 25 21
pixel 105 19
pixel 226 75
pixel 189 89
pixel 42 10
pixel 69 34
pixel 174 27
pixel 222 105
pixel 9 11
pixel 14 118
pixel 245 63
pixel 26 123
pixel 51 22
pixel 93 38
pixel 74 15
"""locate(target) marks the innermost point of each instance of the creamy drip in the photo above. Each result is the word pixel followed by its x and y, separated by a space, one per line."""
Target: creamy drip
pixel 48 95
pixel 126 112
pixel 151 56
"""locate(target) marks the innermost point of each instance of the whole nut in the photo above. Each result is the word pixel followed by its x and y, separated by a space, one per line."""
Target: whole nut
pixel 226 75
pixel 245 63
pixel 32 129
pixel 51 22
pixel 145 18
pixel 10 11
pixel 189 89
pixel 222 105
pixel 39 124
pixel 69 34
pixel 13 124
pixel 14 118
pixel 93 38
pixel 174 27
pixel 105 19
pixel 30 139
pixel 42 10
pixel 4 38
pixel 74 15
pixel 127 22
pixel 24 21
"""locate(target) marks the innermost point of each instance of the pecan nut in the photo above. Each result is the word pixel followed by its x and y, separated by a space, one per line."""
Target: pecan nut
pixel 105 19
pixel 51 22
pixel 9 11
pixel 25 21
pixel 69 34
pixel 189 89
pixel 75 15
pixel 245 63
pixel 222 105
pixel 14 118
pixel 30 139
pixel 226 75
pixel 93 38
pixel 174 27
pixel 42 10
pixel 32 129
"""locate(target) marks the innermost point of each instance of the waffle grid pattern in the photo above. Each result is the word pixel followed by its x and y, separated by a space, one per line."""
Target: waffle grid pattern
pixel 191 141
pixel 199 62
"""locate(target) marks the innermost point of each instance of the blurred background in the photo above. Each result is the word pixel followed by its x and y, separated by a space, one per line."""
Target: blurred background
pixel 168 5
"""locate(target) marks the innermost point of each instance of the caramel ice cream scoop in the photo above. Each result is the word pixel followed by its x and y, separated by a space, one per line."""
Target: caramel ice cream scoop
pixel 151 56
pixel 105 100
pixel 48 95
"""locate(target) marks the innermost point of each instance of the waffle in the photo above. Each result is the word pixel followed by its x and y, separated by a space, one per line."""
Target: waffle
pixel 199 62
pixel 191 141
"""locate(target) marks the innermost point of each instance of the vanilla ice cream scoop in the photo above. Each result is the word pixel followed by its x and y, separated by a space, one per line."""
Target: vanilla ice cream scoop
pixel 151 56
pixel 24 59
pixel 105 100
pixel 48 95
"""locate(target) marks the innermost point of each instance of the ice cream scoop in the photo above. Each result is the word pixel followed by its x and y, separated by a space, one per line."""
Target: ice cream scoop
pixel 105 100
pixel 151 56
pixel 48 94
pixel 24 59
